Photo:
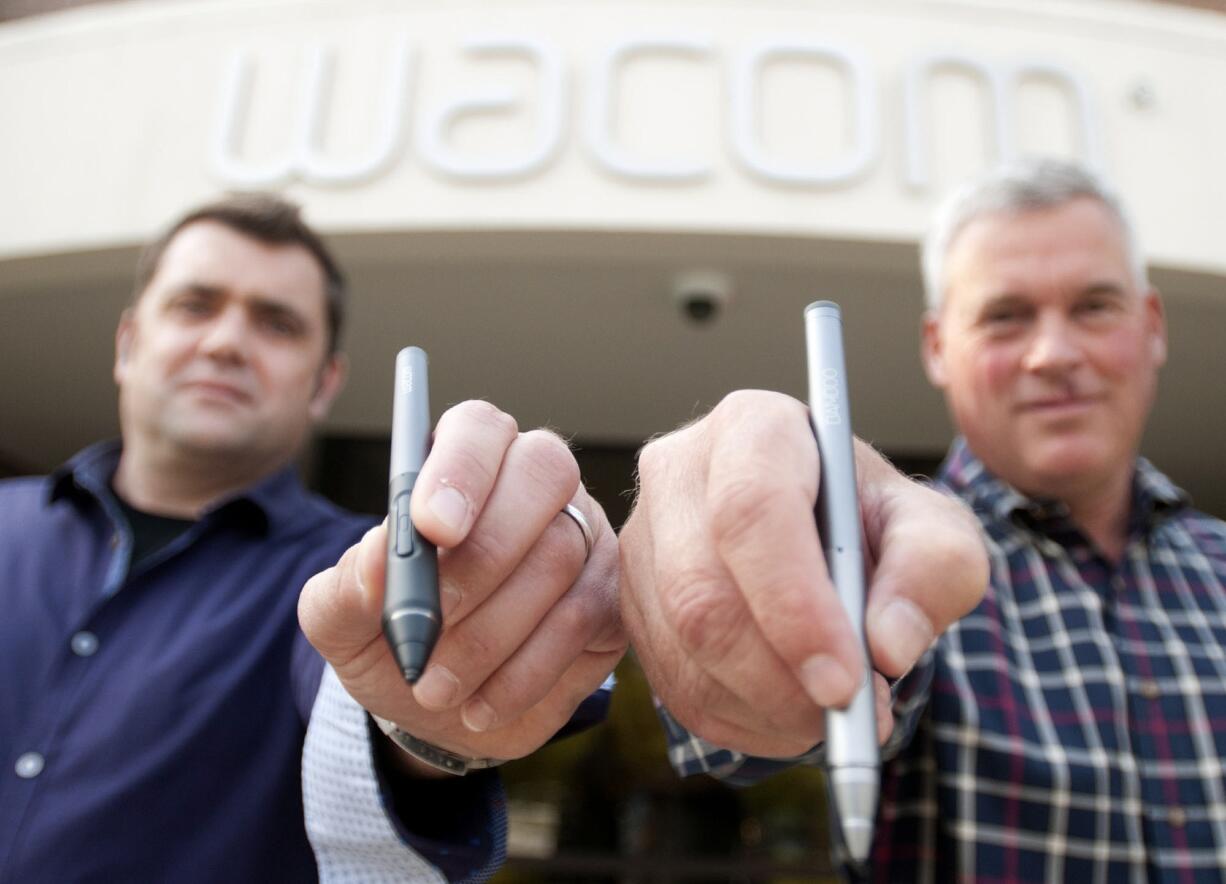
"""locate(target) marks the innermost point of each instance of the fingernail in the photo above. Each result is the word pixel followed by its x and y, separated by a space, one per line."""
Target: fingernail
pixel 827 680
pixel 905 629
pixel 478 716
pixel 436 688
pixel 450 506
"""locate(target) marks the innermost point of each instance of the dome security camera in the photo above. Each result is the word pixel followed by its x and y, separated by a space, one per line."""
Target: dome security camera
pixel 701 295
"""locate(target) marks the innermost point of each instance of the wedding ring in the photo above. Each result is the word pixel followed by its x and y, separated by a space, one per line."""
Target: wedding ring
pixel 578 518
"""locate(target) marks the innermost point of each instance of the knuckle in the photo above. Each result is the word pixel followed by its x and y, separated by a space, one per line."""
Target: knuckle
pixel 737 401
pixel 761 405
pixel 488 415
pixel 651 460
pixel 548 460
pixel 659 456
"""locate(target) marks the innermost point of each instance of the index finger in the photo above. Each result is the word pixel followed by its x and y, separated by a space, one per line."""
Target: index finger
pixel 470 442
pixel 762 486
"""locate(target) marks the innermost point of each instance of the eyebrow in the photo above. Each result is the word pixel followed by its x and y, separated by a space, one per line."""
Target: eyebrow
pixel 268 307
pixel 196 288
pixel 1104 287
pixel 1009 298
pixel 1004 299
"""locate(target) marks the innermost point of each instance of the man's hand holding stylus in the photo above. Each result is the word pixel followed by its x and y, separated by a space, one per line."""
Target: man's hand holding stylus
pixel 725 592
pixel 529 627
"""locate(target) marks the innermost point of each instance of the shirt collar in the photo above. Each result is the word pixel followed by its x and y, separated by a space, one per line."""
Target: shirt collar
pixel 88 471
pixel 273 505
pixel 1153 494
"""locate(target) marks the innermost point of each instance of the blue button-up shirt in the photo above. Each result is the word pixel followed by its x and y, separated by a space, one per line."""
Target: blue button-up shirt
pixel 152 718
pixel 1073 726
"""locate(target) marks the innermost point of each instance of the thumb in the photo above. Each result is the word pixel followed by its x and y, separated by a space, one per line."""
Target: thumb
pixel 340 609
pixel 932 571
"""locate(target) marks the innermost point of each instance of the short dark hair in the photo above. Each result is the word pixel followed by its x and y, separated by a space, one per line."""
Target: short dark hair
pixel 270 219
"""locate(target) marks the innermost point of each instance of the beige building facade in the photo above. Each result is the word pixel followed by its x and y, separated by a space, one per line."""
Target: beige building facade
pixel 602 216
pixel 547 196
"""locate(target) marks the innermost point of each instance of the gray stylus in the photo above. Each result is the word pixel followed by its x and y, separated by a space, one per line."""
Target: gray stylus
pixel 411 613
pixel 852 757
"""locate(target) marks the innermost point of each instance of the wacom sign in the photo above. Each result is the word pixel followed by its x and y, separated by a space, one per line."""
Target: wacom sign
pixel 408 127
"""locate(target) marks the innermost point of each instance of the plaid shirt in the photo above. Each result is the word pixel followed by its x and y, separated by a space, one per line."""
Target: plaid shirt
pixel 1073 726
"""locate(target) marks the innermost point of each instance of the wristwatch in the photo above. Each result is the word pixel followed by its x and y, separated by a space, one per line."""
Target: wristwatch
pixel 428 753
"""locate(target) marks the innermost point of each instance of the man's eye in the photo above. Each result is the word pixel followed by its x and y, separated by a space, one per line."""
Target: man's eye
pixel 1002 317
pixel 192 306
pixel 280 325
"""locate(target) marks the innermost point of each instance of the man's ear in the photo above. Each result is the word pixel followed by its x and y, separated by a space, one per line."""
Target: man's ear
pixel 125 331
pixel 931 349
pixel 1155 321
pixel 329 385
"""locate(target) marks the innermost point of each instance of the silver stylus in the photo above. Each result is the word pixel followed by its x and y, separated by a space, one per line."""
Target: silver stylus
pixel 853 760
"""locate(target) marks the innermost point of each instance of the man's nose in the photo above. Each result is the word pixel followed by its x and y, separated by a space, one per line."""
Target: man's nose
pixel 1054 347
pixel 226 337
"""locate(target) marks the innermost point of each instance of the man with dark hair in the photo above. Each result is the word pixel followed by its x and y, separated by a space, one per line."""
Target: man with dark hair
pixel 266 218
pixel 1073 726
pixel 164 717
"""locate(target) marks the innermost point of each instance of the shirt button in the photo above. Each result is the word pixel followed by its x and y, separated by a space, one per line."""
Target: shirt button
pixel 1177 818
pixel 1149 689
pixel 29 765
pixel 1118 583
pixel 84 644
pixel 115 540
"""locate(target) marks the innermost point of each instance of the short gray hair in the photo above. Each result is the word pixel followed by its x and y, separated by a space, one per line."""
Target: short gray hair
pixel 1021 186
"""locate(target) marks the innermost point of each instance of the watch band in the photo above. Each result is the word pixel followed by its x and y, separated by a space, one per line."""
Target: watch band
pixel 428 753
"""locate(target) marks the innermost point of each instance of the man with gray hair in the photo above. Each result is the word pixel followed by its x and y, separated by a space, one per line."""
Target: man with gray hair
pixel 1073 725
pixel 1076 726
